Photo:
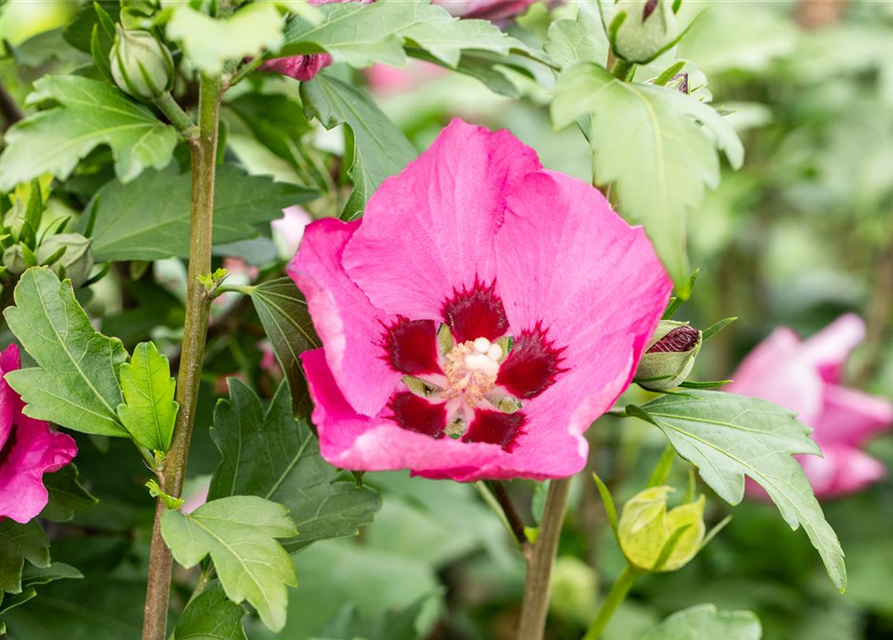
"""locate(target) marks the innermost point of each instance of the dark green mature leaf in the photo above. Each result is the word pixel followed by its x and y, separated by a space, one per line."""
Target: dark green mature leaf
pixel 32 574
pixel 148 219
pixel 282 310
pixel 272 455
pixel 66 495
pixel 211 616
pixel 240 535
pixel 728 437
pixel 79 33
pixel 380 149
pixel 704 622
pixel 277 121
pixel 362 35
pixel 92 113
pixel 76 381
pixel 20 542
pixel 149 410
pixel 97 608
pixel 350 623
pixel 657 145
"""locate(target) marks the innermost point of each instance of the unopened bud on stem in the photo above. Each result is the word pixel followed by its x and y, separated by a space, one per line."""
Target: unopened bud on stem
pixel 141 65
pixel 669 357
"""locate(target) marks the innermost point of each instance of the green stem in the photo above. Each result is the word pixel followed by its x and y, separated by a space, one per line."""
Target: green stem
pixel 246 70
pixel 623 70
pixel 179 118
pixel 537 586
pixel 510 516
pixel 195 331
pixel 616 596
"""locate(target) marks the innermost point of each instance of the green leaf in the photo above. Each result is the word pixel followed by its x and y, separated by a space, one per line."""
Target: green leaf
pixel 272 455
pixel 361 35
pixel 704 622
pixel 282 310
pixel 66 495
pixel 149 410
pixel 211 616
pixel 582 39
pixel 32 574
pixel 657 145
pixel 728 436
pixel 240 535
pixel 92 113
pixel 76 381
pixel 20 542
pixel 123 231
pixel 380 149
pixel 210 43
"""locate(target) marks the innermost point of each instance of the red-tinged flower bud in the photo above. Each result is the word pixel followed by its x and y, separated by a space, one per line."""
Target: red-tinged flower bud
pixel 141 65
pixel 669 357
pixel 640 30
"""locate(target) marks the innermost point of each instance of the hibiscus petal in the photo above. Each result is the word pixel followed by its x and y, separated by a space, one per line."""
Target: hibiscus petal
pixel 843 470
pixel 828 349
pixel 351 329
pixel 851 417
pixel 776 371
pixel 10 404
pixel 428 232
pixel 352 441
pixel 31 451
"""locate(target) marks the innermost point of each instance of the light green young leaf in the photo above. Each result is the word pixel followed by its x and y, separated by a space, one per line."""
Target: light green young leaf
pixel 704 622
pixel 657 145
pixel 380 149
pixel 728 437
pixel 76 381
pixel 92 113
pixel 240 535
pixel 123 231
pixel 282 310
pixel 362 35
pixel 580 40
pixel 211 616
pixel 210 43
pixel 272 455
pixel 149 409
pixel 20 542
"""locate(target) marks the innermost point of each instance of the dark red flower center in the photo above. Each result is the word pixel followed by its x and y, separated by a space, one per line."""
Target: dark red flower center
pixel 468 379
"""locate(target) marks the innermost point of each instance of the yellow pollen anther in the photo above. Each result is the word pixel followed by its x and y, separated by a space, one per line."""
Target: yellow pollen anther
pixel 471 369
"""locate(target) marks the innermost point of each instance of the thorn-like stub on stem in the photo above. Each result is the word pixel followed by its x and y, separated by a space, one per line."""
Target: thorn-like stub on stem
pixel 669 357
pixel 141 65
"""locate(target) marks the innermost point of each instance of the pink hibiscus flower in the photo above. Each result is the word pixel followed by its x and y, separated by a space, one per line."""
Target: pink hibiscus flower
pixel 803 375
pixel 478 318
pixel 28 449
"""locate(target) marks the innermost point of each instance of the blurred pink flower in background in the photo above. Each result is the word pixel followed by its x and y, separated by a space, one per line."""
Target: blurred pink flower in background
pixel 477 319
pixel 28 450
pixel 803 375
pixel 387 80
pixel 290 227
pixel 305 67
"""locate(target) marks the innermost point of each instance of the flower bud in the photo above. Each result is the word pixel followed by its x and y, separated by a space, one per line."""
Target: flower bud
pixel 640 30
pixel 14 261
pixel 141 65
pixel 574 590
pixel 669 357
pixel 646 527
pixel 77 260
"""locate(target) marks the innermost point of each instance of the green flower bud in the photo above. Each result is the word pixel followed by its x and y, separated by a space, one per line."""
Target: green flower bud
pixel 640 30
pixel 574 590
pixel 646 527
pixel 669 357
pixel 14 261
pixel 77 259
pixel 141 65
